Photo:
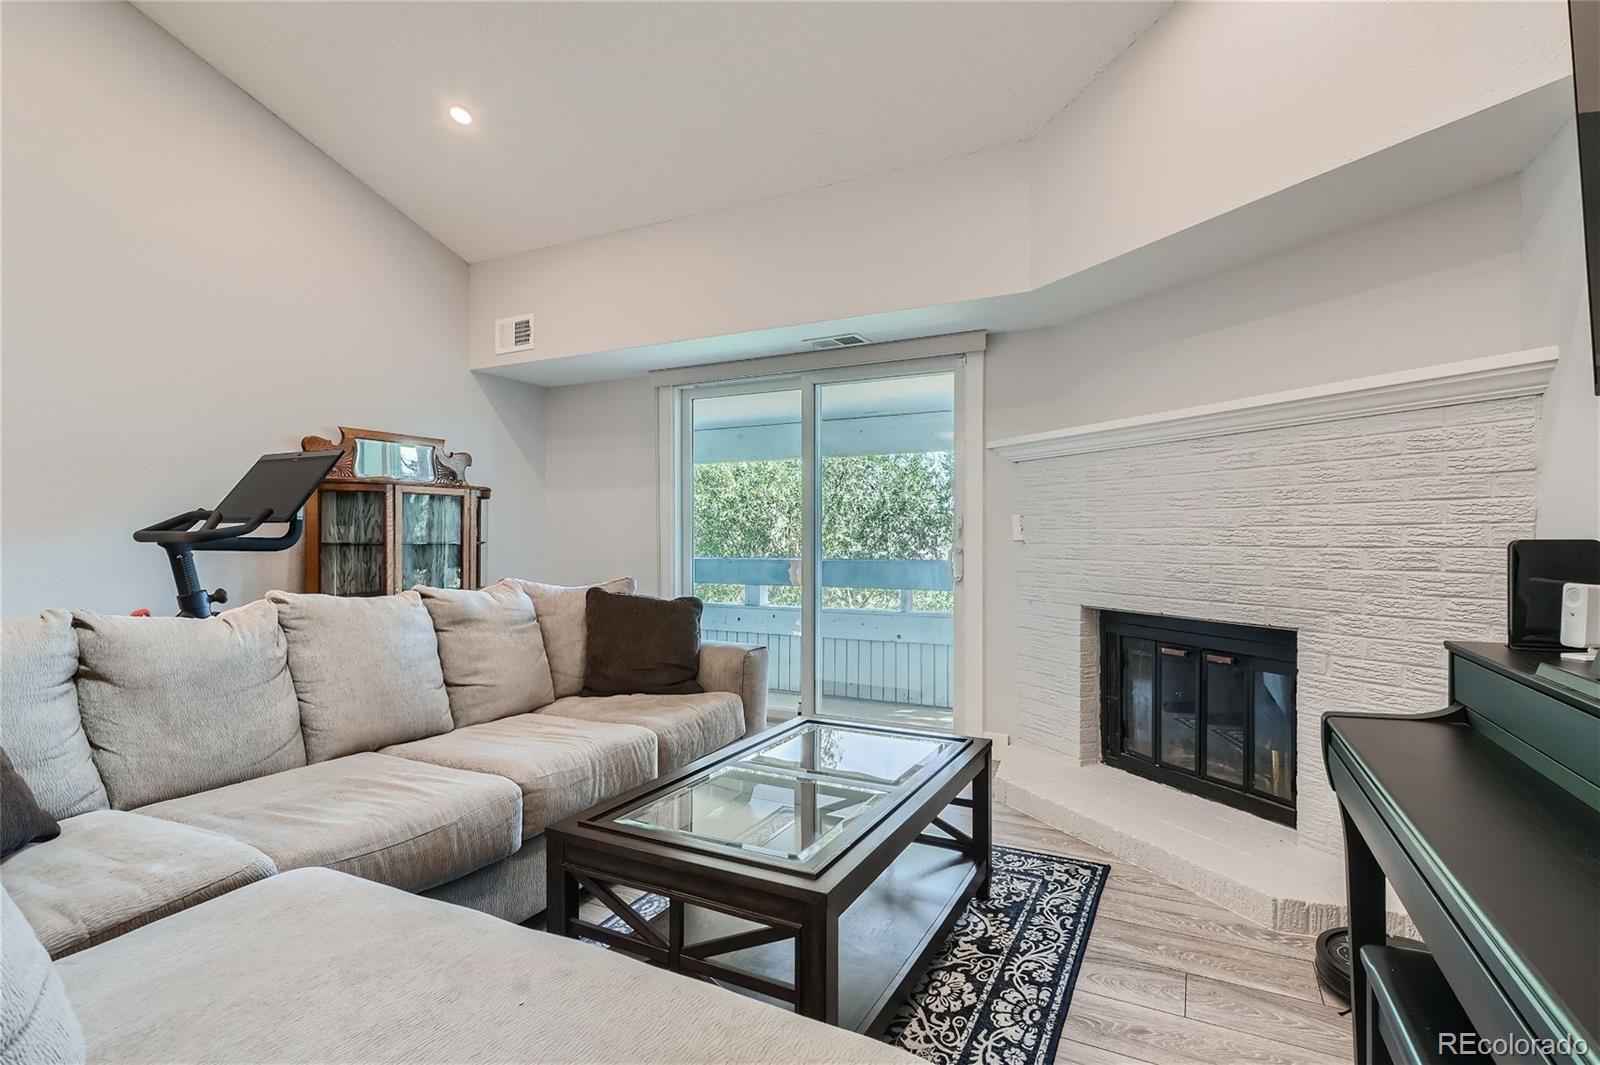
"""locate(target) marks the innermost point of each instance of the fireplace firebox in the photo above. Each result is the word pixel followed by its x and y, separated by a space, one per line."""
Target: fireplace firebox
pixel 1202 706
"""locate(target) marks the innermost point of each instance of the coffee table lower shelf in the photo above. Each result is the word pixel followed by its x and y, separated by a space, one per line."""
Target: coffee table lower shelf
pixel 885 938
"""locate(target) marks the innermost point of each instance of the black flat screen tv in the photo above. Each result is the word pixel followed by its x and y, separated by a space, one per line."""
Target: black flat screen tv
pixel 1585 19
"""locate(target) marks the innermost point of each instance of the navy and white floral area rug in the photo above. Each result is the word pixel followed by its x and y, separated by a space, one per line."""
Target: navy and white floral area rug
pixel 998 992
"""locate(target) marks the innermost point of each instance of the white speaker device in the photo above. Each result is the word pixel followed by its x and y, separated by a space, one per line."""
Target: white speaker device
pixel 1580 619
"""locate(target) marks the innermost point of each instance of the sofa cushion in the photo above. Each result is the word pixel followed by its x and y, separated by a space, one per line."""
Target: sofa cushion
pixel 561 614
pixel 491 650
pixel 110 872
pixel 21 820
pixel 37 1023
pixel 392 820
pixel 686 726
pixel 641 645
pixel 173 706
pixel 314 966
pixel 563 765
pixel 366 671
pixel 39 714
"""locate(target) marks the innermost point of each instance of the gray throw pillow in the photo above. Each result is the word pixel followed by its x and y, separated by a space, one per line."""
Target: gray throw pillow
pixel 560 610
pixel 491 651
pixel 366 671
pixel 175 706
pixel 21 820
pixel 640 645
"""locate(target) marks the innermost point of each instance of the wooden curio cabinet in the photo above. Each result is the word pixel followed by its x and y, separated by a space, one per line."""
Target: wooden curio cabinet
pixel 396 511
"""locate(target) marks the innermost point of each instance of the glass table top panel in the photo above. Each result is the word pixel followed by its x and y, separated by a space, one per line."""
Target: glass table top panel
pixel 850 754
pixel 788 800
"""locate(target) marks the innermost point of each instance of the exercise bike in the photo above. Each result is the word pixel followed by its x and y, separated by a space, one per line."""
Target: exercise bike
pixel 272 492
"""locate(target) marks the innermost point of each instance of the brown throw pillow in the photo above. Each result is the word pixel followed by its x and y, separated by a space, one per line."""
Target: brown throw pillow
pixel 639 645
pixel 21 820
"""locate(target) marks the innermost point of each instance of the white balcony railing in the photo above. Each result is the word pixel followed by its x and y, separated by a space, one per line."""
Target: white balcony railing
pixel 902 655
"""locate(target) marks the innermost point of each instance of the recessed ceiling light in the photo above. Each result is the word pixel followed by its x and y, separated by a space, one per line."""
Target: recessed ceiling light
pixel 461 116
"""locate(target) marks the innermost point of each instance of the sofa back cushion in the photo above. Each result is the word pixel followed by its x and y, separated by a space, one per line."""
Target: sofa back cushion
pixel 562 619
pixel 366 671
pixel 173 706
pixel 491 651
pixel 36 1020
pixel 39 714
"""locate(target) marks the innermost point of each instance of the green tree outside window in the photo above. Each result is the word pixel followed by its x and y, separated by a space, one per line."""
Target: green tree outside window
pixel 897 506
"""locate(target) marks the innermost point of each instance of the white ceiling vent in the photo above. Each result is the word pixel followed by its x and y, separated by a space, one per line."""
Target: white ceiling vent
pixel 843 340
pixel 513 334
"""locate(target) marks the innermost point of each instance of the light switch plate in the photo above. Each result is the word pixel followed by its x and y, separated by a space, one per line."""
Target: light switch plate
pixel 1016 528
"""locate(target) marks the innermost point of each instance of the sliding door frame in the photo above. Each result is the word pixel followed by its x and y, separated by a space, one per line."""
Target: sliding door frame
pixel 676 451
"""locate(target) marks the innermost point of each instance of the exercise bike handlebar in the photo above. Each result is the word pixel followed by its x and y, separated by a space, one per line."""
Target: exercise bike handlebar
pixel 274 485
pixel 178 537
pixel 178 531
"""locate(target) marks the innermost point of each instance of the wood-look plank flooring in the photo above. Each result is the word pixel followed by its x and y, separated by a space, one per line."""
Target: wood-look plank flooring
pixel 1170 977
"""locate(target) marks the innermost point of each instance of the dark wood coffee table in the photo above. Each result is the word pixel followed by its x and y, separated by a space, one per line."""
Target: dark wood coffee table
pixel 818 864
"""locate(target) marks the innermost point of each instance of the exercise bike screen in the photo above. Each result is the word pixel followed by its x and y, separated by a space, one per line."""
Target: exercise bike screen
pixel 281 483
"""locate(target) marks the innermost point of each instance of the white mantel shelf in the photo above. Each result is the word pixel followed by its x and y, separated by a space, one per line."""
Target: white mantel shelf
pixel 1519 373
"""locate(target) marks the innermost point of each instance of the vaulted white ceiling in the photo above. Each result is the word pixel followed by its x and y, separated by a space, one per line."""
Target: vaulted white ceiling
pixel 592 118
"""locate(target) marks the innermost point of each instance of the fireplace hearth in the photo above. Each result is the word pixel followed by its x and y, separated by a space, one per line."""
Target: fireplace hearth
pixel 1202 706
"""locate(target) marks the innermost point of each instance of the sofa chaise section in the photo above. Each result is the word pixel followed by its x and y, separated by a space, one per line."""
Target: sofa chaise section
pixel 397 821
pixel 316 966
pixel 110 872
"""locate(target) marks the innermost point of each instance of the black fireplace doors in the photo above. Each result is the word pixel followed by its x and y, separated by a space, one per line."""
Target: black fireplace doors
pixel 1202 706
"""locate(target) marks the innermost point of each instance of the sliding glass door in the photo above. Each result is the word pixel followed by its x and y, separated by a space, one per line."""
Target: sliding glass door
pixel 746 526
pixel 820 519
pixel 887 520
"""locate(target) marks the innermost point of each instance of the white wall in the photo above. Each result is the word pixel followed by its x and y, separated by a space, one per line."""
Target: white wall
pixel 601 479
pixel 1432 284
pixel 187 284
pixel 1555 304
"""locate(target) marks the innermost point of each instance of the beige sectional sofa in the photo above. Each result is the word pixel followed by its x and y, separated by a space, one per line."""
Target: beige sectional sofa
pixel 218 783
pixel 422 741
pixel 318 966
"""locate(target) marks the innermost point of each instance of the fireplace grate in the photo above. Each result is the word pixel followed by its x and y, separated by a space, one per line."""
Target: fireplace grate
pixel 1202 706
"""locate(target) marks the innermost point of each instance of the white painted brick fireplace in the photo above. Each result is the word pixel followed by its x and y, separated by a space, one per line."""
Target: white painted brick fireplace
pixel 1369 517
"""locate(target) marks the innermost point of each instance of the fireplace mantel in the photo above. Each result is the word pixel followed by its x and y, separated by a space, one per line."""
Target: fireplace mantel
pixel 1518 373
